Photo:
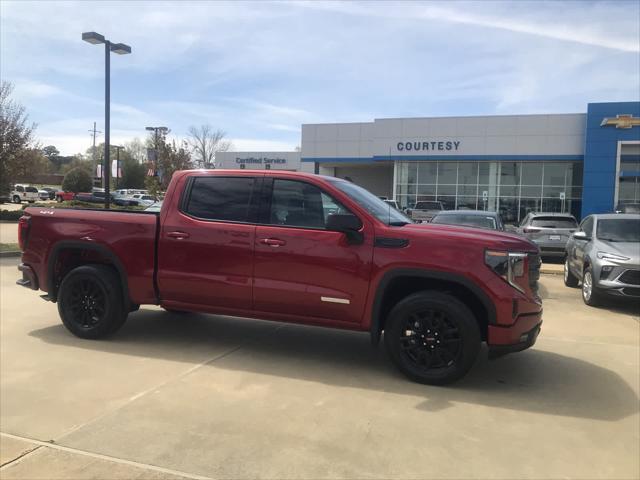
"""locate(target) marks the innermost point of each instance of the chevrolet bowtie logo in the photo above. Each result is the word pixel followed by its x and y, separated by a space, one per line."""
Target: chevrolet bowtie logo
pixel 622 121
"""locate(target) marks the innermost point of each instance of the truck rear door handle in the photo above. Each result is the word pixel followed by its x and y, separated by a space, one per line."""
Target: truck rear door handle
pixel 273 242
pixel 178 235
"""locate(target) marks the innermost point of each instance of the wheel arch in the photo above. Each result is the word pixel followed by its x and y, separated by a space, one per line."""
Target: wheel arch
pixel 78 253
pixel 399 283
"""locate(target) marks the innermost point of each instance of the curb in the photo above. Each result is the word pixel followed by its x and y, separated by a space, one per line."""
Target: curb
pixel 10 254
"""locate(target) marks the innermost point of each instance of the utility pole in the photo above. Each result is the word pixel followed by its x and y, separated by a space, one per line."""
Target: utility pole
pixel 94 132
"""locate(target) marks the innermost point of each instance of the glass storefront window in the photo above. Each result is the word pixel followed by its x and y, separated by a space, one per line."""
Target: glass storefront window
pixel 629 190
pixel 427 172
pixel 467 203
pixel 447 172
pixel 512 188
pixel 532 173
pixel 446 189
pixel 554 173
pixel 509 173
pixel 467 173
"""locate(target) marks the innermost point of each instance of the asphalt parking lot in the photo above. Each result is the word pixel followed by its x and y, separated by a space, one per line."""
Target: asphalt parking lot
pixel 196 396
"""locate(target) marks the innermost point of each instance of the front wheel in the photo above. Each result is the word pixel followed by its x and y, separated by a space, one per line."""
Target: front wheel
pixel 90 301
pixel 16 199
pixel 590 294
pixel 570 280
pixel 432 337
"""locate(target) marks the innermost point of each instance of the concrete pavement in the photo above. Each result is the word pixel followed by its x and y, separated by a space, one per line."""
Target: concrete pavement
pixel 197 396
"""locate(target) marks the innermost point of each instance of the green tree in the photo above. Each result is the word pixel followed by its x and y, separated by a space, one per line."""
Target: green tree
pixel 51 152
pixel 171 158
pixel 16 137
pixel 134 173
pixel 77 180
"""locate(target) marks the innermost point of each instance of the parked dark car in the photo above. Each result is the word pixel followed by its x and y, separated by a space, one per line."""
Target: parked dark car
pixel 470 218
pixel 605 256
pixel 550 231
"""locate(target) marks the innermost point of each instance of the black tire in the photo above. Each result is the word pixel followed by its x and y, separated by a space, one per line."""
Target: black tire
pixel 59 199
pixel 570 280
pixel 430 316
pixel 590 294
pixel 90 302
pixel 16 199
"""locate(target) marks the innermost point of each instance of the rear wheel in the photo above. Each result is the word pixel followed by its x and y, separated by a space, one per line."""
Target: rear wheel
pixel 590 294
pixel 90 301
pixel 570 280
pixel 432 337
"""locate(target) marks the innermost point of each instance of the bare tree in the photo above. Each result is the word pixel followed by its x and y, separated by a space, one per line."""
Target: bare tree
pixel 204 142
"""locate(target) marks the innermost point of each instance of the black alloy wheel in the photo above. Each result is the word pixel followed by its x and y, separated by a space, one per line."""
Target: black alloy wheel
pixel 90 301
pixel 432 337
pixel 430 340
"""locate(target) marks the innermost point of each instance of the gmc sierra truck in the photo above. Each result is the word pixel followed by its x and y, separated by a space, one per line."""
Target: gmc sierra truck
pixel 291 247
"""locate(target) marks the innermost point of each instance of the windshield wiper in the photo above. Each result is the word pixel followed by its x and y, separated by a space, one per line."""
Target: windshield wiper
pixel 398 224
pixel 609 239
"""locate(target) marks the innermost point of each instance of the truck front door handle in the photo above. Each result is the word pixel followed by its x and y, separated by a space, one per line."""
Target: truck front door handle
pixel 273 242
pixel 178 235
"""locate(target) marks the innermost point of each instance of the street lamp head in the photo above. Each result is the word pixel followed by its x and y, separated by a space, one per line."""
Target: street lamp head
pixel 151 129
pixel 120 48
pixel 93 38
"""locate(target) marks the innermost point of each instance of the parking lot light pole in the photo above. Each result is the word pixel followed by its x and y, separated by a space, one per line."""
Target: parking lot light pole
pixel 121 49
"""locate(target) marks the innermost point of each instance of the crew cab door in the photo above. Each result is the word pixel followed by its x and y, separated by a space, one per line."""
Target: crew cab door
pixel 206 244
pixel 301 268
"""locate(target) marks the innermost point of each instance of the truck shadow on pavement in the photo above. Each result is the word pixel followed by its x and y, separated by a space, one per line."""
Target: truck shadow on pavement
pixel 536 380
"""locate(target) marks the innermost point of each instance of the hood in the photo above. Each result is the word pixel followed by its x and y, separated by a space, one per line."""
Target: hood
pixel 485 237
pixel 626 249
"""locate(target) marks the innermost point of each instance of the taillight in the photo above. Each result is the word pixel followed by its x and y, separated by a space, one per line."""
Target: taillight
pixel 508 265
pixel 23 231
pixel 531 230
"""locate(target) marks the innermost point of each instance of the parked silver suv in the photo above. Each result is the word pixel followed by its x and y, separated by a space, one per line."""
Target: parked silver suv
pixel 550 231
pixel 605 255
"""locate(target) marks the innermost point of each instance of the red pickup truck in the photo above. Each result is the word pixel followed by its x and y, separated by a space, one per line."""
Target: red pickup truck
pixel 291 247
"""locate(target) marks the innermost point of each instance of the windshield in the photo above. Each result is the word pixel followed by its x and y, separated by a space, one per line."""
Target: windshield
pixel 619 230
pixel 466 220
pixel 372 204
pixel 554 222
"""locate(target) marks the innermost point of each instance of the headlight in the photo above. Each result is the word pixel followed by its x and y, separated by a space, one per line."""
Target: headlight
pixel 612 256
pixel 508 265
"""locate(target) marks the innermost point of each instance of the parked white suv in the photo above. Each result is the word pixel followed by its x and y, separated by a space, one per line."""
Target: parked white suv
pixel 22 193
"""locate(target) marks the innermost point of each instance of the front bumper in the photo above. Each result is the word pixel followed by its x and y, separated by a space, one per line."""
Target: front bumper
pixel 515 338
pixel 620 281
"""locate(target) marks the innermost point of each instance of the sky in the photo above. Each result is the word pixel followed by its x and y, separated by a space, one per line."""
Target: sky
pixel 258 70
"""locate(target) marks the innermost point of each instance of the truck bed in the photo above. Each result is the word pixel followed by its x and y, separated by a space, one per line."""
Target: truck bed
pixel 129 236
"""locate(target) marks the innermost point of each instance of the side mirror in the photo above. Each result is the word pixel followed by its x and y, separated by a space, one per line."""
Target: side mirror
pixel 581 236
pixel 348 224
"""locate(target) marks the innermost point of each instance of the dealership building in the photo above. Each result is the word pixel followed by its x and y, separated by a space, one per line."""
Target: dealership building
pixel 580 163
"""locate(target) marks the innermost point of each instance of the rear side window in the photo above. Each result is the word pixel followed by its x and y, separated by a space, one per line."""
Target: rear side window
pixel 554 222
pixel 32 189
pixel 220 198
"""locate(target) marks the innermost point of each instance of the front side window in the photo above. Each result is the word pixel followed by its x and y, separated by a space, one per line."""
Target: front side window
pixel 367 200
pixel 300 204
pixel 587 226
pixel 220 198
